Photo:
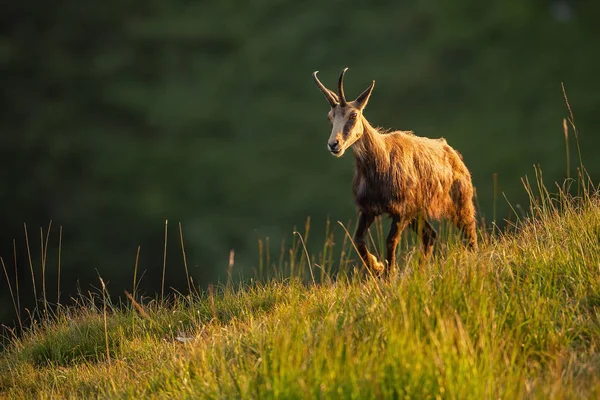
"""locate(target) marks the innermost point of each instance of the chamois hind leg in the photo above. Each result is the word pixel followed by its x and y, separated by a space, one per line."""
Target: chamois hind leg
pixel 398 225
pixel 426 233
pixel 463 213
pixel 465 222
pixel 469 232
pixel 364 221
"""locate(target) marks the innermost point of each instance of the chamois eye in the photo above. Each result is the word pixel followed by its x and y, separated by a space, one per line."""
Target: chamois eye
pixel 352 116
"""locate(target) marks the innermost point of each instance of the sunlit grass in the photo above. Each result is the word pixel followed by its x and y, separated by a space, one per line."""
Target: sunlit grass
pixel 519 318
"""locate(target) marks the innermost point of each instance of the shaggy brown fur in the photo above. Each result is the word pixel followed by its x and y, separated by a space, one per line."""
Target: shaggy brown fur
pixel 411 178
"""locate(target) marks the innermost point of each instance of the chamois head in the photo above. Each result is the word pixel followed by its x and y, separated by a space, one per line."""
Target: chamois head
pixel 345 117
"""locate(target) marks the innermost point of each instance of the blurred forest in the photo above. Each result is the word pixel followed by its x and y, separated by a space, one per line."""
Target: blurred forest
pixel 117 115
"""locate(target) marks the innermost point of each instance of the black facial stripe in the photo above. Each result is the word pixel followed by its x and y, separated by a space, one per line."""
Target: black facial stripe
pixel 348 126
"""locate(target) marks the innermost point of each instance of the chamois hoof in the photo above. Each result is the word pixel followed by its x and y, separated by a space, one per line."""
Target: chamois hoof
pixel 376 266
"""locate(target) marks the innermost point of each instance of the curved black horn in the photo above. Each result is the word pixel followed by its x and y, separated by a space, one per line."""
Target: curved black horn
pixel 341 87
pixel 329 95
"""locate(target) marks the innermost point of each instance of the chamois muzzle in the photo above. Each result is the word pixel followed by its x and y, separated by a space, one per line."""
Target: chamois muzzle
pixel 334 146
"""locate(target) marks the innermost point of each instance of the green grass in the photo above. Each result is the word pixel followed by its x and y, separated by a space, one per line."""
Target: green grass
pixel 519 318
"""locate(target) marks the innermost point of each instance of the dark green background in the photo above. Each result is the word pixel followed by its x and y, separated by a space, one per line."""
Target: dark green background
pixel 118 114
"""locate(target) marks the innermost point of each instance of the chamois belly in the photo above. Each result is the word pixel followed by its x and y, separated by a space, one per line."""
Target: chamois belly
pixel 403 196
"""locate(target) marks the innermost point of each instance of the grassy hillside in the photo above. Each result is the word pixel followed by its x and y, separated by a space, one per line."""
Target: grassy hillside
pixel 117 116
pixel 518 318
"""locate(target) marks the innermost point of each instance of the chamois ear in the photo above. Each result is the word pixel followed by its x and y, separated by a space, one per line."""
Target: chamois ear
pixel 363 98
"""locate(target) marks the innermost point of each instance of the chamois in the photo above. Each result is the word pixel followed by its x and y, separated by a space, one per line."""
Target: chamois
pixel 411 178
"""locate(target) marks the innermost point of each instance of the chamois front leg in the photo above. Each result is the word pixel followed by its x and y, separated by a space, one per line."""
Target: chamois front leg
pixel 398 225
pixel 364 221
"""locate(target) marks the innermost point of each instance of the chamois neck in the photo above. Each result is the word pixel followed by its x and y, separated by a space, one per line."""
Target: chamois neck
pixel 370 146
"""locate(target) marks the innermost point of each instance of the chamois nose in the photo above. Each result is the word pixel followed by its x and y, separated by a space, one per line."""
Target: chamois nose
pixel 333 145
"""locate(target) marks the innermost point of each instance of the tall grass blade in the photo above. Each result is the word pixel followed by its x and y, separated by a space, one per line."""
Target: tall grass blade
pixel 30 262
pixel 60 229
pixel 17 283
pixel 104 312
pixel 135 270
pixel 312 276
pixel 17 311
pixel 187 274
pixel 162 282
pixel 44 254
